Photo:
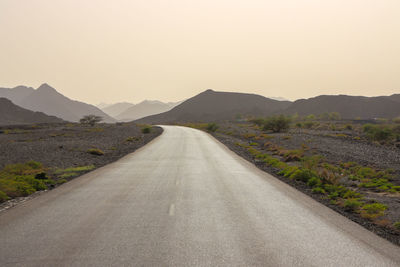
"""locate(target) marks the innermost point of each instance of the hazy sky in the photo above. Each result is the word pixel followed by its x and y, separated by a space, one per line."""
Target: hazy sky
pixel 127 50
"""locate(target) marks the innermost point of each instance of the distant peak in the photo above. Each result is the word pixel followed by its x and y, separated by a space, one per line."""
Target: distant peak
pixel 46 87
pixel 209 90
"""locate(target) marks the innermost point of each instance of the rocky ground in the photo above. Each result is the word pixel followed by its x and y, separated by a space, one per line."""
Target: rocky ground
pixel 67 145
pixel 335 147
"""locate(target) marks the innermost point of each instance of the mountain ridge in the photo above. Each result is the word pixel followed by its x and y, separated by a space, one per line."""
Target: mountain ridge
pixel 12 114
pixel 48 100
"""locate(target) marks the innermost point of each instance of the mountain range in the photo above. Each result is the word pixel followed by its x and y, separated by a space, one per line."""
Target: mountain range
pixel 143 109
pixel 215 106
pixel 207 106
pixel 46 99
pixel 349 107
pixel 11 114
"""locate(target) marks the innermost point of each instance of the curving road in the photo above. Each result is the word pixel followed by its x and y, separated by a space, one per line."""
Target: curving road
pixel 183 200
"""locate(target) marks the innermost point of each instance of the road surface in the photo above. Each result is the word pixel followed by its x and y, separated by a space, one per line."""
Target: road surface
pixel 183 200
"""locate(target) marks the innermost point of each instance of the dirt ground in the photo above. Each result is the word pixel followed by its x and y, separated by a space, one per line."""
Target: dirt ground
pixel 67 145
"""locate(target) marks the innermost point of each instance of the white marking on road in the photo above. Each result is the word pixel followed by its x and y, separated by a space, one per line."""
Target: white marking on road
pixel 171 211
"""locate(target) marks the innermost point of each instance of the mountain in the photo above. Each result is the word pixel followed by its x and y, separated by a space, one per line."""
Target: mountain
pixel 115 109
pixel 143 109
pixel 11 114
pixel 395 97
pixel 277 98
pixel 16 94
pixel 216 106
pixel 46 99
pixel 349 107
pixel 102 105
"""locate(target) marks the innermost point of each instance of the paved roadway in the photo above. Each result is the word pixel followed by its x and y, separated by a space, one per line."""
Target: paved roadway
pixel 183 200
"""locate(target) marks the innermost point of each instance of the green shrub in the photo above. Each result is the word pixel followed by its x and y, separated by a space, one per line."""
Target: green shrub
pixel 351 194
pixel 311 162
pixel 253 144
pixel 18 180
pixel 334 116
pixel 95 151
pixel 397 225
pixel 310 117
pixel 335 191
pixel 3 197
pixel 75 169
pixel 131 139
pixel 378 132
pixel 302 175
pixel 348 127
pixel 34 165
pixel 146 129
pixel 15 188
pixel 314 182
pixel 277 124
pixel 68 175
pixel 318 190
pixel 212 127
pixel 352 204
pixel 289 170
pixel 34 183
pixel 373 210
pixel 61 181
pixel 41 176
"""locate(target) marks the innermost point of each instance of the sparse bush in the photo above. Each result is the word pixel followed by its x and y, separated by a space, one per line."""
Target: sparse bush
pixel 350 194
pixel 311 162
pixel 131 139
pixel 41 176
pixel 293 155
pixel 90 119
pixel 374 210
pixel 212 127
pixel 348 127
pixel 397 225
pixel 95 151
pixel 318 190
pixel 377 132
pixel 334 116
pixel 68 175
pixel 352 204
pixel 277 124
pixel 18 180
pixel 310 117
pixel 303 175
pixel 288 171
pixel 61 181
pixel 75 169
pixel 146 129
pixel 314 182
pixel 3 197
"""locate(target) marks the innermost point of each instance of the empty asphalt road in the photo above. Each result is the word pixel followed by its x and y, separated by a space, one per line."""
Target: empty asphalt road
pixel 183 200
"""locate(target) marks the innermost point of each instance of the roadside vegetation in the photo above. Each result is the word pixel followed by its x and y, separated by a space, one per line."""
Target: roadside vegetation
pixel 24 179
